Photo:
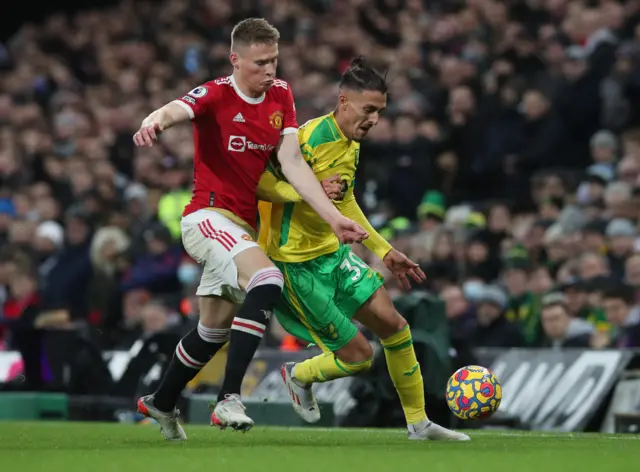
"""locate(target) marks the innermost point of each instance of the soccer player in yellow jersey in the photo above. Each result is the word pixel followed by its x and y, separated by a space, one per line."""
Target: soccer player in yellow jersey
pixel 327 285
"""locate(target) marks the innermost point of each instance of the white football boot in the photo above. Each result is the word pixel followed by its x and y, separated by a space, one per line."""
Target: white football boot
pixel 429 431
pixel 231 412
pixel 302 398
pixel 170 427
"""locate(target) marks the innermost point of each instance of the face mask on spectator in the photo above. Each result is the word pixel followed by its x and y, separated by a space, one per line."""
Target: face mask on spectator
pixel 188 274
pixel 472 289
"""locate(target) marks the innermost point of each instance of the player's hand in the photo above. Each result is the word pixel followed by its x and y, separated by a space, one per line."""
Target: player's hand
pixel 147 134
pixel 332 187
pixel 401 266
pixel 348 232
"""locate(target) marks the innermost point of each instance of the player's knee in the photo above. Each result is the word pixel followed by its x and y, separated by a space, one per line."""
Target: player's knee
pixel 397 323
pixel 213 321
pixel 270 277
pixel 215 312
pixel 265 288
pixel 356 352
pixel 391 324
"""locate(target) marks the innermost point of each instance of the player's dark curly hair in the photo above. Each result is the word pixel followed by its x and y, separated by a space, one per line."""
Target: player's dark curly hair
pixel 361 76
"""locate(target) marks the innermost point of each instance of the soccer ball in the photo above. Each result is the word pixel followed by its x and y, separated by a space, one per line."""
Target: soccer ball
pixel 473 392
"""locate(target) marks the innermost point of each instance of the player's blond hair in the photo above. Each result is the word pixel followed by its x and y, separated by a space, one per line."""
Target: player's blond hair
pixel 254 31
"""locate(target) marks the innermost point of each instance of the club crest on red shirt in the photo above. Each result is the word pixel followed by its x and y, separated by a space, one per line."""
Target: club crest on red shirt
pixel 276 119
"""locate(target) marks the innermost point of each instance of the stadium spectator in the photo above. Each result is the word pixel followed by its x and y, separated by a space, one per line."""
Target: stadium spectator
pixel 156 270
pixel 493 329
pixel 460 313
pixel 510 152
pixel 618 302
pixel 65 277
pixel 560 328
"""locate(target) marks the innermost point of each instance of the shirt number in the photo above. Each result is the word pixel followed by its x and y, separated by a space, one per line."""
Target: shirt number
pixel 354 266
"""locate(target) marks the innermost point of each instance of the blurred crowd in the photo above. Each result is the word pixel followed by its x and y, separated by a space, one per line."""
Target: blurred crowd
pixel 507 164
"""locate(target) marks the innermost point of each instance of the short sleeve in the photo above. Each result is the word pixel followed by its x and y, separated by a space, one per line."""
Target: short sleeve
pixel 199 100
pixel 290 120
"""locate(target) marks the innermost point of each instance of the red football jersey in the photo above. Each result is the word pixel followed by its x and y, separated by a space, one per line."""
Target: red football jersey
pixel 234 136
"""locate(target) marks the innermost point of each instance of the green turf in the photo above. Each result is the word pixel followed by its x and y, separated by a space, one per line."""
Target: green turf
pixel 95 447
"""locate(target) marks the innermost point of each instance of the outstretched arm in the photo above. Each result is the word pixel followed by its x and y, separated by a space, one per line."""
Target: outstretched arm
pixel 161 119
pixel 197 102
pixel 375 243
pixel 398 263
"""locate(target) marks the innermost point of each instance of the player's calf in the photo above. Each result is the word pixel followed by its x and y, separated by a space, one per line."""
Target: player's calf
pixel 263 291
pixel 352 359
pixel 355 357
pixel 381 317
pixel 299 379
pixel 192 354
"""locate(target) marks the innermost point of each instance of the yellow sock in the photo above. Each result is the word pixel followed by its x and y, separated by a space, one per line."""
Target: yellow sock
pixel 405 373
pixel 325 367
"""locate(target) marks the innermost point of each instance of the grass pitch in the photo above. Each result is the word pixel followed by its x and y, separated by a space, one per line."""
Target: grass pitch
pixel 97 447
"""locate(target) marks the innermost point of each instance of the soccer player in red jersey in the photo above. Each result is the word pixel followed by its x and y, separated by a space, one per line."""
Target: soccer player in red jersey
pixel 238 122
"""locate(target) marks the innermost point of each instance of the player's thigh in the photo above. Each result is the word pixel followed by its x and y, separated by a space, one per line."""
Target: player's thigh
pixel 308 294
pixel 220 244
pixel 216 312
pixel 248 262
pixel 380 316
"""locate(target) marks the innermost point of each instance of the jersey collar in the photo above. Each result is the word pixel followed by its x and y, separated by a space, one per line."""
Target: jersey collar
pixel 333 118
pixel 246 98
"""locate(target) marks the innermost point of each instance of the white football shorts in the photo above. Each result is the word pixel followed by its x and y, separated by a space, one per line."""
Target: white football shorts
pixel 214 240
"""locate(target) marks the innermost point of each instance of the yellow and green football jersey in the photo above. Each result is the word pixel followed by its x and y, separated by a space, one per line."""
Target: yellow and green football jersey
pixel 297 233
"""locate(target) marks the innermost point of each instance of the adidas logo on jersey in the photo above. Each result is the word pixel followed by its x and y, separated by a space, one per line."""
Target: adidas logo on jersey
pixel 239 118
